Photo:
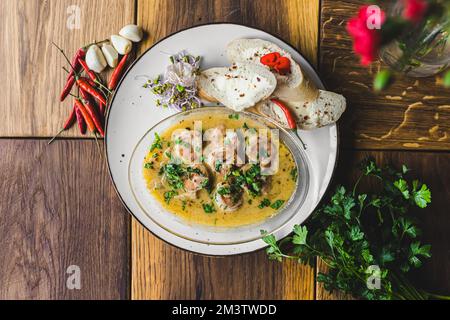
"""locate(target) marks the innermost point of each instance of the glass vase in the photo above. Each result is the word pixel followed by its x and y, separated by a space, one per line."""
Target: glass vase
pixel 422 50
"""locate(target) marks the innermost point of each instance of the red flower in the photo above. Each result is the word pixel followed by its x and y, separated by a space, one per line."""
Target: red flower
pixel 415 10
pixel 365 30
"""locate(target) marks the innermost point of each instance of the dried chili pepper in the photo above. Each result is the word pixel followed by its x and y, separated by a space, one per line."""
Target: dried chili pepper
pixel 83 84
pixel 102 107
pixel 67 125
pixel 80 120
pixel 71 76
pixel 87 118
pixel 75 65
pixel 117 73
pixel 67 88
pixel 92 112
pixel 89 72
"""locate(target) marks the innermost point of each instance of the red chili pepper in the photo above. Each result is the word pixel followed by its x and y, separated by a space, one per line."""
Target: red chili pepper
pixel 80 119
pixel 86 116
pixel 67 125
pixel 117 73
pixel 71 76
pixel 83 84
pixel 287 113
pixel 92 112
pixel 101 105
pixel 283 66
pixel 67 88
pixel 80 54
pixel 270 59
pixel 89 72
pixel 289 118
pixel 102 109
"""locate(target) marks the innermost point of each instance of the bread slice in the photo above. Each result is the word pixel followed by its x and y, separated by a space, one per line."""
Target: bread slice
pixel 238 87
pixel 251 50
pixel 326 109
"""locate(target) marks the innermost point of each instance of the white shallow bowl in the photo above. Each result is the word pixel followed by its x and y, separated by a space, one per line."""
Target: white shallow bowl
pixel 132 112
pixel 210 234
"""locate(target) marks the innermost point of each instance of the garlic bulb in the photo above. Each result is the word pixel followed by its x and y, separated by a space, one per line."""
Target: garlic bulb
pixel 132 32
pixel 122 45
pixel 111 55
pixel 95 59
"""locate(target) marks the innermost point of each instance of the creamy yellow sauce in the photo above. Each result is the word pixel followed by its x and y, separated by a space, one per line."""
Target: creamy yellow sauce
pixel 281 187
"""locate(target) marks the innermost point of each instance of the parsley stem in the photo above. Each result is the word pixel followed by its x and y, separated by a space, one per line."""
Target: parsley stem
pixel 357 183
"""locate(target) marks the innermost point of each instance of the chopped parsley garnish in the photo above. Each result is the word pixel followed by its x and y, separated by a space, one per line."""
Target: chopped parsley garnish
pixel 209 208
pixel 224 191
pixel 157 143
pixel 181 142
pixel 277 204
pixel 251 180
pixel 294 174
pixel 149 165
pixel 234 116
pixel 264 204
pixel 168 196
pixel 174 174
pixel 218 166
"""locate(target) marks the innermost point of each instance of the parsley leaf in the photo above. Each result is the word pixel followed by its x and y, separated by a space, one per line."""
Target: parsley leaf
pixel 402 185
pixel 300 234
pixel 423 196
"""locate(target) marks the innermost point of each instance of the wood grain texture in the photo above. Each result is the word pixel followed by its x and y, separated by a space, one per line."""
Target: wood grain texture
pixel 58 208
pixel 32 77
pixel 160 271
pixel 412 114
pixel 434 170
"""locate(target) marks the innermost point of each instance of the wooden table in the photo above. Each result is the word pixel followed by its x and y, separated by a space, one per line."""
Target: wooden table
pixel 58 206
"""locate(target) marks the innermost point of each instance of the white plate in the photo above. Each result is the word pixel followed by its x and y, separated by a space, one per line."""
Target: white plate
pixel 133 112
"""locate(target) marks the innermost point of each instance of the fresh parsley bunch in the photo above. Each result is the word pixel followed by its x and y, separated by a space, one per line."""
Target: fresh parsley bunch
pixel 356 231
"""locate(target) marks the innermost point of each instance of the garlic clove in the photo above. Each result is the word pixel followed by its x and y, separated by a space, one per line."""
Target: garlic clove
pixel 111 55
pixel 122 45
pixel 95 59
pixel 132 32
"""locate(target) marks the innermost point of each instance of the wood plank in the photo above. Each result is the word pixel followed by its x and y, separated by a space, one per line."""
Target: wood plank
pixel 58 208
pixel 411 114
pixel 434 170
pixel 32 77
pixel 160 271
